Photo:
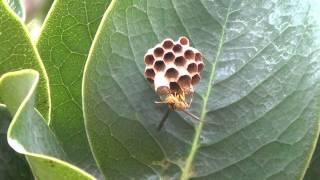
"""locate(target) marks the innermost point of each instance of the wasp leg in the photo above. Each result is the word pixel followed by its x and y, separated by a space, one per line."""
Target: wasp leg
pixel 190 100
pixel 192 115
pixel 163 120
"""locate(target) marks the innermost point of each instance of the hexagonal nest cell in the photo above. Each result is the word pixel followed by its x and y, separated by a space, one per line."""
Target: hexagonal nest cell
pixel 173 66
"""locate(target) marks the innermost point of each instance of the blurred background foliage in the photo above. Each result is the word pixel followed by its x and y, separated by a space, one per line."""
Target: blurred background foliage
pixel 33 13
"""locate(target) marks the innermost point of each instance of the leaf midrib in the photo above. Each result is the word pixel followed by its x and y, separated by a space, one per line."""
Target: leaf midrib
pixel 195 143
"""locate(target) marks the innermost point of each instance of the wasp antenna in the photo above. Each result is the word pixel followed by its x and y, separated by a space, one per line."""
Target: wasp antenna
pixel 191 100
pixel 192 115
pixel 163 120
pixel 160 102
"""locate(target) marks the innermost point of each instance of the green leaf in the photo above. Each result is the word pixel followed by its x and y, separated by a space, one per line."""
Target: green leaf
pixel 29 134
pixel 63 46
pixel 11 162
pixel 258 99
pixel 17 7
pixel 17 52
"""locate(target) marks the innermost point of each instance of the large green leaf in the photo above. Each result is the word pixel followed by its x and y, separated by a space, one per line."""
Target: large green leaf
pixel 29 134
pixel 63 46
pixel 258 98
pixel 10 161
pixel 17 52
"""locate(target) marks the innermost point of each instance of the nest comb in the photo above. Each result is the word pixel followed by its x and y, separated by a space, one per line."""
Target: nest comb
pixel 173 67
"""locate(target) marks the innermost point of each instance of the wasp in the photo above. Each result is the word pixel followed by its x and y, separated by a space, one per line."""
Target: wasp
pixel 175 102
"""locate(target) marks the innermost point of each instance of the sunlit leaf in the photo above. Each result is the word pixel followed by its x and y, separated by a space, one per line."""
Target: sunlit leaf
pixel 29 134
pixel 17 52
pixel 63 46
pixel 11 162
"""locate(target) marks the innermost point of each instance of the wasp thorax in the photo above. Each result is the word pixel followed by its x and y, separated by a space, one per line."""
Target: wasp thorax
pixel 173 66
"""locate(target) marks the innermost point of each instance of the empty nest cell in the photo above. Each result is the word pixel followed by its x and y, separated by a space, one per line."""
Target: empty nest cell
pixel 167 44
pixel 158 52
pixel 169 57
pixel 189 54
pixel 177 48
pixel 192 68
pixel 172 73
pixel 195 79
pixel 184 41
pixel 200 67
pixel 180 61
pixel 159 65
pixel 184 82
pixel 198 57
pixel 149 73
pixel 149 59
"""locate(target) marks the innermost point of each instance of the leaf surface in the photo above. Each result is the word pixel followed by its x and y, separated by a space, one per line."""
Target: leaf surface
pixel 11 162
pixel 63 46
pixel 17 52
pixel 258 99
pixel 29 134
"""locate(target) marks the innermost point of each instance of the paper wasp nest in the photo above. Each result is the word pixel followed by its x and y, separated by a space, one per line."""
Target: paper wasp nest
pixel 173 66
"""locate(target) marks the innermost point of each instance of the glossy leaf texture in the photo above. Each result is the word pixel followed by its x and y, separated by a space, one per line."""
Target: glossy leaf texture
pixel 63 46
pixel 258 99
pixel 17 52
pixel 29 134
pixel 11 162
